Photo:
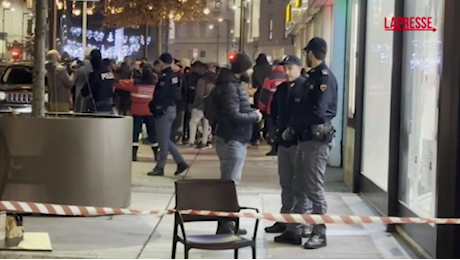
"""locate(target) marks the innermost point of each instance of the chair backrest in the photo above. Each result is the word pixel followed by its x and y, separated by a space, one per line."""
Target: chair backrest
pixel 206 194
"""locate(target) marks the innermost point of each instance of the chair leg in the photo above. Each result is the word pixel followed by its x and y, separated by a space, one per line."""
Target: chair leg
pixel 254 252
pixel 186 249
pixel 236 254
pixel 174 249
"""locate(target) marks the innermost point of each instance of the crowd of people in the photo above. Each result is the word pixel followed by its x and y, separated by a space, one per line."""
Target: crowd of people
pixel 172 97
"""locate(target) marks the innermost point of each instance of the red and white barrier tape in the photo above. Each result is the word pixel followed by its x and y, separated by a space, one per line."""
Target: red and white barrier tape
pixel 87 211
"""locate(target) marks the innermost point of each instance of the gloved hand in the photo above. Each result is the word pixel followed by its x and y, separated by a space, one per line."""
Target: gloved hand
pixel 288 135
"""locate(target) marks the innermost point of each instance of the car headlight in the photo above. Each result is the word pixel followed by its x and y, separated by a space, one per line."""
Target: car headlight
pixel 46 97
pixel 2 95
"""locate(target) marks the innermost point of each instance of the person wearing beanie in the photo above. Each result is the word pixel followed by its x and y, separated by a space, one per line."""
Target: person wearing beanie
pixel 310 125
pixel 141 90
pixel 233 122
pixel 163 108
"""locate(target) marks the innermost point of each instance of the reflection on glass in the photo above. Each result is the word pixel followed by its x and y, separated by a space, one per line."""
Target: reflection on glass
pixel 377 93
pixel 419 126
pixel 352 60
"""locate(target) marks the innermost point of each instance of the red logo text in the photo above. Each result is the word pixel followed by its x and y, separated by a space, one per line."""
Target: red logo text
pixel 417 23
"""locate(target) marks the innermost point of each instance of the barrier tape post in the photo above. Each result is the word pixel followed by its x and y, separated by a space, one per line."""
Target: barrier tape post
pixel 89 211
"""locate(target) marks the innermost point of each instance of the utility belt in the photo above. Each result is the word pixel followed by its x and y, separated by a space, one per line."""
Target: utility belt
pixel 324 133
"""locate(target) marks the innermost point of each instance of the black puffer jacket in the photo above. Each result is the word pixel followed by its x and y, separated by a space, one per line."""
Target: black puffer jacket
pixel 234 113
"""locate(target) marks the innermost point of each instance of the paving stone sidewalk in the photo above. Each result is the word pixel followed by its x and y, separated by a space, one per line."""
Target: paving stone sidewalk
pixel 150 237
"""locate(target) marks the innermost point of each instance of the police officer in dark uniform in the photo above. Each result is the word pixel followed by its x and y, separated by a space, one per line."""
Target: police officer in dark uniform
pixel 311 126
pixel 282 108
pixel 99 86
pixel 163 108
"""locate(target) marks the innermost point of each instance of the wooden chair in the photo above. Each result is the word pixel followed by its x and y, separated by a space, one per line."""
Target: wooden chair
pixel 212 195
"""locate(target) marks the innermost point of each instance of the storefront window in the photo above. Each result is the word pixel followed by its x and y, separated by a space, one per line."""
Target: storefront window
pixel 419 124
pixel 377 93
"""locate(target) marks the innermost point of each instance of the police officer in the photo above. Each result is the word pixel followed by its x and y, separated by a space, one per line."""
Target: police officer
pixel 99 86
pixel 311 126
pixel 282 107
pixel 163 108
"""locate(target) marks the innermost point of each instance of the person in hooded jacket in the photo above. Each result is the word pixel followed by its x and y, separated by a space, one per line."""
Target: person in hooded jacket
pixel 141 90
pixel 262 70
pixel 203 87
pixel 99 86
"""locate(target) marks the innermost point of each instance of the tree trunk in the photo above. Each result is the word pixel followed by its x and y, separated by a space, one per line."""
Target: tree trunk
pixel 159 37
pixel 38 100
pixel 146 46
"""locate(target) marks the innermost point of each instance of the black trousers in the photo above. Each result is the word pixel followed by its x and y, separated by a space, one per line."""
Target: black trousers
pixel 255 130
pixel 149 122
pixel 187 116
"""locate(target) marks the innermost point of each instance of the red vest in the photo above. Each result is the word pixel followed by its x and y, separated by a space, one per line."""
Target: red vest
pixel 269 88
pixel 141 95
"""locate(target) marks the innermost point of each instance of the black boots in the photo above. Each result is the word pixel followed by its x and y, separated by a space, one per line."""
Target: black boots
pixel 135 148
pixel 156 172
pixel 156 153
pixel 181 167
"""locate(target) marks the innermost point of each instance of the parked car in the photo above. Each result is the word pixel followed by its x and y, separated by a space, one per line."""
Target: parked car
pixel 16 88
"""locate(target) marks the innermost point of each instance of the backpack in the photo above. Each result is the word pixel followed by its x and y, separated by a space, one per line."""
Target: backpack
pixel 210 104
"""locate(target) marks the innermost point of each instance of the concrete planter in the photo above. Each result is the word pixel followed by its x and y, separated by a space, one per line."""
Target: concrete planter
pixel 66 159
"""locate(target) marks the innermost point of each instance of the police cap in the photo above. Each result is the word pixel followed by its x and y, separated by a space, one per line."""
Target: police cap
pixel 291 60
pixel 316 44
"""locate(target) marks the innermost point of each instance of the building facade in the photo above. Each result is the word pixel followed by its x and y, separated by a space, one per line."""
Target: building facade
pixel 217 35
pixel 16 25
pixel 274 39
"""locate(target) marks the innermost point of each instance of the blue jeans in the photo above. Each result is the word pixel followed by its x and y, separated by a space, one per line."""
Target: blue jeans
pixel 163 126
pixel 231 156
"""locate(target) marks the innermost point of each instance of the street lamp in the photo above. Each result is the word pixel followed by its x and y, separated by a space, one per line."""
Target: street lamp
pixel 206 11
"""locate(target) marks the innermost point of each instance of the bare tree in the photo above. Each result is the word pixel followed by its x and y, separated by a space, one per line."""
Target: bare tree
pixel 38 100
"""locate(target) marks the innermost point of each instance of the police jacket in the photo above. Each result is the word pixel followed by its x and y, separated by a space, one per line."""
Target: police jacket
pixel 234 113
pixel 319 104
pixel 99 87
pixel 166 89
pixel 141 95
pixel 284 103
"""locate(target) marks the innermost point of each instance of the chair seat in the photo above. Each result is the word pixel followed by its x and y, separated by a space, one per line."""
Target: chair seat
pixel 217 242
